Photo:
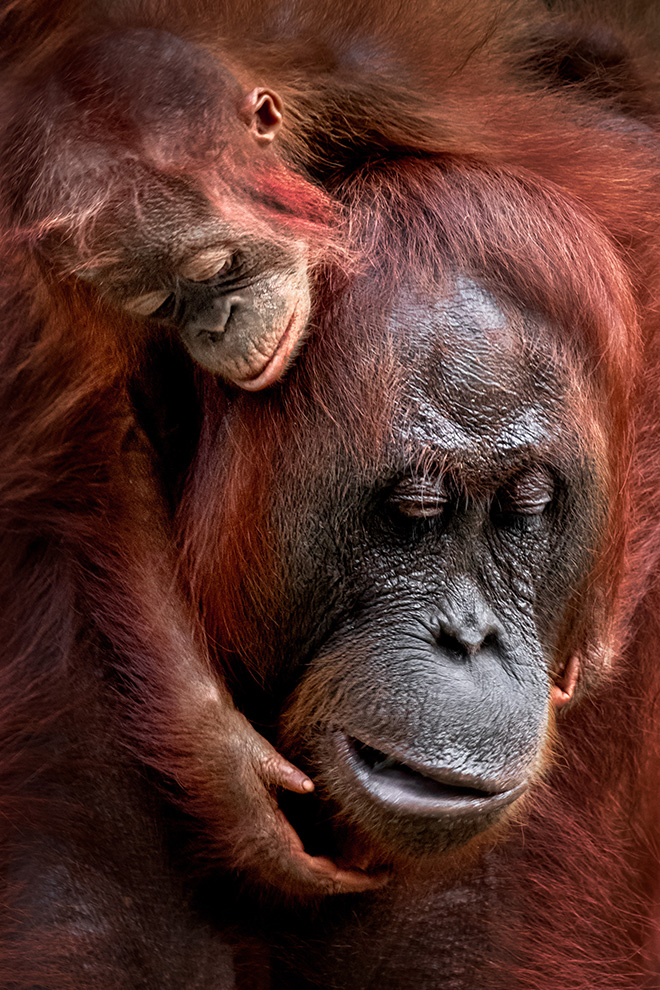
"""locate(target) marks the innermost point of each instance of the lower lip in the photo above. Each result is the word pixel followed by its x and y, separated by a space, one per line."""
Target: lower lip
pixel 403 792
pixel 279 360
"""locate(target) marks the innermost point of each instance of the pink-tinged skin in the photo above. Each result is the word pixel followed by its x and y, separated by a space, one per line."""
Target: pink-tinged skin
pixel 290 777
pixel 325 871
pixel 318 870
pixel 563 689
pixel 279 360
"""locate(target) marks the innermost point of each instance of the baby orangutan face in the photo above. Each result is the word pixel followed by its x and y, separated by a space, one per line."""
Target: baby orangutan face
pixel 166 192
pixel 239 299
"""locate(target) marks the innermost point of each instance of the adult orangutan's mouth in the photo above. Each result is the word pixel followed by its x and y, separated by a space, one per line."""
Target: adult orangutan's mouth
pixel 428 791
pixel 278 361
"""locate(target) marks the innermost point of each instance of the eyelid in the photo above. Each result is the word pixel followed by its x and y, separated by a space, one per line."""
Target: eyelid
pixel 530 494
pixel 206 263
pixel 533 488
pixel 419 499
pixel 148 303
pixel 530 508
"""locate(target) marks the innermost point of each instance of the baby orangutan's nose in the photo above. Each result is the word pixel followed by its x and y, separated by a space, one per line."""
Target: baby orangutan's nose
pixel 213 319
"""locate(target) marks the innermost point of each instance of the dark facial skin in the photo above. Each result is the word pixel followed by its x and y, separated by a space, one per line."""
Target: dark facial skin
pixel 239 302
pixel 444 579
pixel 150 162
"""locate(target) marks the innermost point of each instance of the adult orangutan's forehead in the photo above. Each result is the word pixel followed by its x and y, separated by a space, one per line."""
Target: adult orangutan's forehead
pixel 479 376
pixel 473 349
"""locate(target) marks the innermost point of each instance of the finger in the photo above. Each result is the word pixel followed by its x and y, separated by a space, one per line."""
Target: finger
pixel 322 872
pixel 280 773
pixel 328 875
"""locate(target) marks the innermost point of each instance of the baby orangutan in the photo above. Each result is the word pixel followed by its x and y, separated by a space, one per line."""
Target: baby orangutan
pixel 153 176
pixel 143 195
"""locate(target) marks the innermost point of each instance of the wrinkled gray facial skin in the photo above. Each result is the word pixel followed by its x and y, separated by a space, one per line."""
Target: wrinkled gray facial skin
pixel 430 599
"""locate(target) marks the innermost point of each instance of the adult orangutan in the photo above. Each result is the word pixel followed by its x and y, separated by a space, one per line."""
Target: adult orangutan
pixel 143 195
pixel 406 555
pixel 444 557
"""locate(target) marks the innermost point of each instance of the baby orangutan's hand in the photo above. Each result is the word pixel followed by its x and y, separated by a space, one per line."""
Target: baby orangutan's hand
pixel 253 834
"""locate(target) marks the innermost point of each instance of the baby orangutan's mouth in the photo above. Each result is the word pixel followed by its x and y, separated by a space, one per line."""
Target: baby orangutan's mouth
pixel 277 362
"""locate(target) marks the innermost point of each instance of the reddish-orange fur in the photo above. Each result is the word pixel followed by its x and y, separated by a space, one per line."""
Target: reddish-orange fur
pixel 577 882
pixel 81 483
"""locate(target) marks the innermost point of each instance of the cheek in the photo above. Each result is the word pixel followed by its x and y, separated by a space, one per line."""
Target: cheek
pixel 281 312
pixel 279 295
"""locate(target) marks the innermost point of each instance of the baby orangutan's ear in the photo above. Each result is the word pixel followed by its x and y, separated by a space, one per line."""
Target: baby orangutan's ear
pixel 262 112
